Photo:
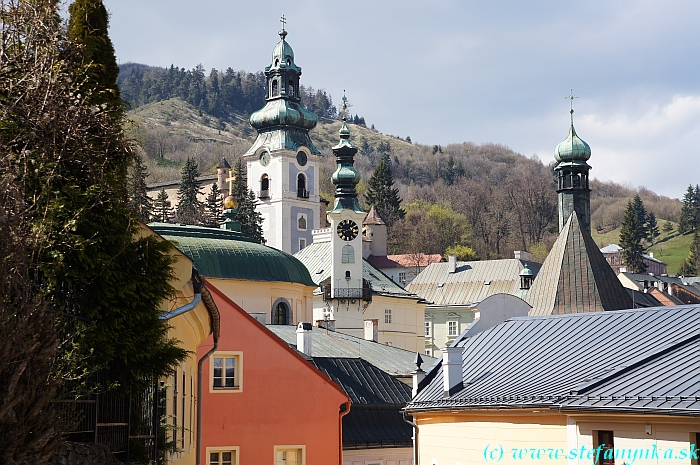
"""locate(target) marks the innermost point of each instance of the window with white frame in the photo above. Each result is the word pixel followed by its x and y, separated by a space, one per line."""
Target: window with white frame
pixel 427 328
pixel 387 315
pixel 301 222
pixel 428 352
pixel 285 455
pixel 402 277
pixel 226 372
pixel 302 243
pixel 452 328
pixel 223 456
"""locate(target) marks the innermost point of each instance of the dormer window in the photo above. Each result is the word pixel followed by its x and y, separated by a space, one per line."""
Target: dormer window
pixel 289 61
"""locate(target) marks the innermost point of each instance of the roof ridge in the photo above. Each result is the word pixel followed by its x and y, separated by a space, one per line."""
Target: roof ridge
pixel 607 376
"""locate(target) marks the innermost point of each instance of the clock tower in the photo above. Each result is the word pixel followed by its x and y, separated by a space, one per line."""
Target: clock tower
pixel 282 164
pixel 346 223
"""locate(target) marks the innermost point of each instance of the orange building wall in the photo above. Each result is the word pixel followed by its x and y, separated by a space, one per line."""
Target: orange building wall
pixel 284 399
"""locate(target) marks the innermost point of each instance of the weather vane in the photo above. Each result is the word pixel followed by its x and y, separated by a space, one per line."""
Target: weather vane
pixel 571 98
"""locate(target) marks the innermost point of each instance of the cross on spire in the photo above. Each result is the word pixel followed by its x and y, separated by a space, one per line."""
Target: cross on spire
pixel 571 97
pixel 346 105
pixel 283 20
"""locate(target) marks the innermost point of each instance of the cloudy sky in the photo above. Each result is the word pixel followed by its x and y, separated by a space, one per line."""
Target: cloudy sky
pixel 448 71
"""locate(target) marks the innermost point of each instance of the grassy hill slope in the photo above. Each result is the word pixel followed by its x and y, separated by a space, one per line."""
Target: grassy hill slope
pixel 670 248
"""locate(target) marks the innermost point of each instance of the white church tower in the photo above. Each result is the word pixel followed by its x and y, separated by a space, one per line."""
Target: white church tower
pixel 282 164
pixel 346 294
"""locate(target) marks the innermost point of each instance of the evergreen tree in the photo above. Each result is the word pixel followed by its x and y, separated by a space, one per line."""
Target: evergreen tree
pixel 452 172
pixel 214 207
pixel 641 212
pixel 689 212
pixel 691 265
pixel 668 227
pixel 652 227
pixel 162 211
pixel 87 27
pixel 250 219
pixel 382 194
pixel 631 236
pixel 189 207
pixel 139 201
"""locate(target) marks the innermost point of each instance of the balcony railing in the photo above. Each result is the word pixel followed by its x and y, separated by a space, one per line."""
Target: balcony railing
pixel 360 293
pixel 264 194
pixel 302 193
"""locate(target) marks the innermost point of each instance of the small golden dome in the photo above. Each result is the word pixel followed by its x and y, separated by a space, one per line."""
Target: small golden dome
pixel 230 202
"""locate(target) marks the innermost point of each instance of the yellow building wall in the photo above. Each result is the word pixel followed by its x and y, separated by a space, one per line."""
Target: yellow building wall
pixel 513 437
pixel 406 330
pixel 449 439
pixel 260 296
pixel 382 456
pixel 667 437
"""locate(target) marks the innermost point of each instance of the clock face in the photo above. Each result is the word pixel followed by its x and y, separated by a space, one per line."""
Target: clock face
pixel 347 230
pixel 265 159
pixel 301 158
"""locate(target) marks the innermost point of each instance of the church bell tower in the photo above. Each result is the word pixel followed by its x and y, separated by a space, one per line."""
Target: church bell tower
pixel 346 221
pixel 282 163
pixel 572 177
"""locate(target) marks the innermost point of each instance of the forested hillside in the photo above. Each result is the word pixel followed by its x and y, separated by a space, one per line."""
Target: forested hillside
pixel 508 201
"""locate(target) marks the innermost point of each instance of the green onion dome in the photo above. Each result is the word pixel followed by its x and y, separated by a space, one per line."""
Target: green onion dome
pixel 573 148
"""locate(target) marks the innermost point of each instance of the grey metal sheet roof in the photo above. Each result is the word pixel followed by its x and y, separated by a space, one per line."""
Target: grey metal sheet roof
pixel 471 282
pixel 375 427
pixel 642 299
pixel 538 361
pixel 669 381
pixel 363 382
pixel 317 259
pixel 391 360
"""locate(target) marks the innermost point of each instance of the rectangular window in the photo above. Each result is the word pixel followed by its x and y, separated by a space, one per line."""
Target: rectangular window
pixel 222 456
pixel 402 277
pixel 605 440
pixel 302 243
pixel 226 371
pixel 429 352
pixel 387 315
pixel 427 328
pixel 451 328
pixel 286 455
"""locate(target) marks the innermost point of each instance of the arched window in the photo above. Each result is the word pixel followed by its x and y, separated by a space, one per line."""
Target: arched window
pixel 301 186
pixel 290 88
pixel 577 181
pixel 264 183
pixel 275 88
pixel 280 314
pixel 302 223
pixel 567 179
pixel 348 254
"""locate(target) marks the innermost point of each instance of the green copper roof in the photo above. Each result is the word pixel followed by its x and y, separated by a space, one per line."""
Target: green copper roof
pixel 573 148
pixel 575 277
pixel 226 254
pixel 283 112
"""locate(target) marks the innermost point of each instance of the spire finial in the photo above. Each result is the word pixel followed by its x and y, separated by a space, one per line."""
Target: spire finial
pixel 344 131
pixel 283 33
pixel 571 98
pixel 345 107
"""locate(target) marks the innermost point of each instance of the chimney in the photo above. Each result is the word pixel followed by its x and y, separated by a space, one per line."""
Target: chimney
pixel 452 369
pixel 522 255
pixel 452 263
pixel 418 375
pixel 304 338
pixel 371 330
